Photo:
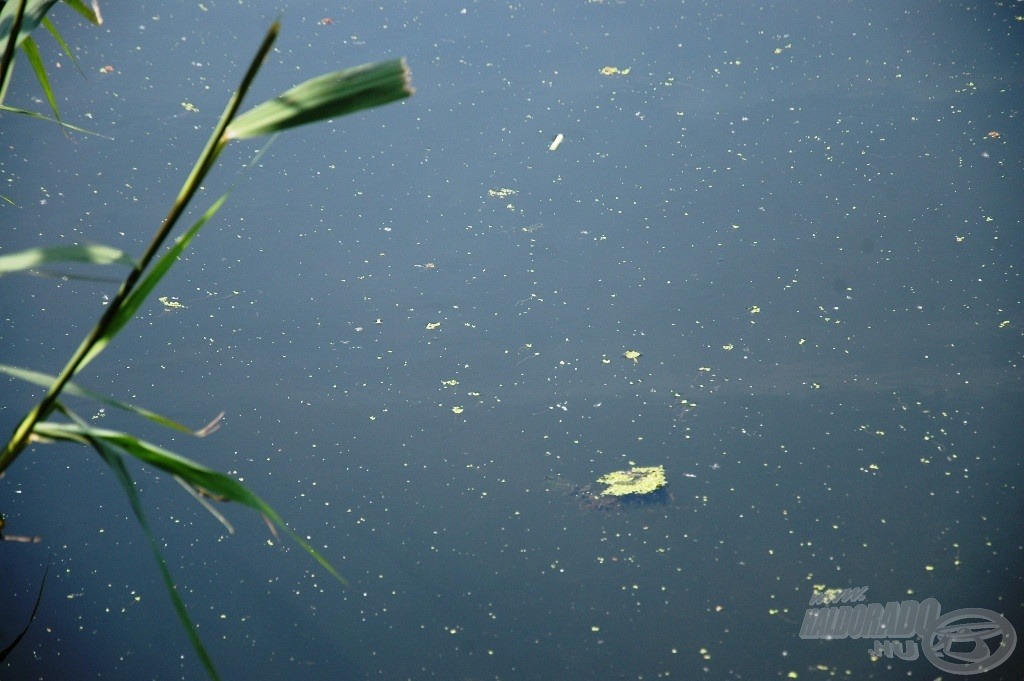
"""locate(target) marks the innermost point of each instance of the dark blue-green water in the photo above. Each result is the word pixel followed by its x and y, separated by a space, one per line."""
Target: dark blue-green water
pixel 795 211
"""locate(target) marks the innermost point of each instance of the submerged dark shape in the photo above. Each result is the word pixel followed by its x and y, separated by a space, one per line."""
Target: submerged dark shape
pixel 35 609
pixel 592 496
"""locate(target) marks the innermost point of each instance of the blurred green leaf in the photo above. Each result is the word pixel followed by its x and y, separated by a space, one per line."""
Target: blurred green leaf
pixel 90 13
pixel 139 294
pixel 200 477
pixel 34 15
pixel 31 51
pixel 95 254
pixel 201 498
pixel 327 96
pixel 35 10
pixel 116 462
pixel 71 388
pixel 48 25
pixel 66 126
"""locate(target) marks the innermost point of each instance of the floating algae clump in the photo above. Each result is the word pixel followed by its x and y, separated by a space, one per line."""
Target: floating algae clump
pixel 637 480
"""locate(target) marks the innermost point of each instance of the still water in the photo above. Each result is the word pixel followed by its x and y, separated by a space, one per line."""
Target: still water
pixel 415 319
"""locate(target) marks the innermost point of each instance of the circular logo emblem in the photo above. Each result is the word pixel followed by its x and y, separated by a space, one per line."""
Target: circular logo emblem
pixel 969 641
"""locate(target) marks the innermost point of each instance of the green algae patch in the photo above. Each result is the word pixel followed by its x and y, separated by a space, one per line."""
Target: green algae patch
pixel 639 480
